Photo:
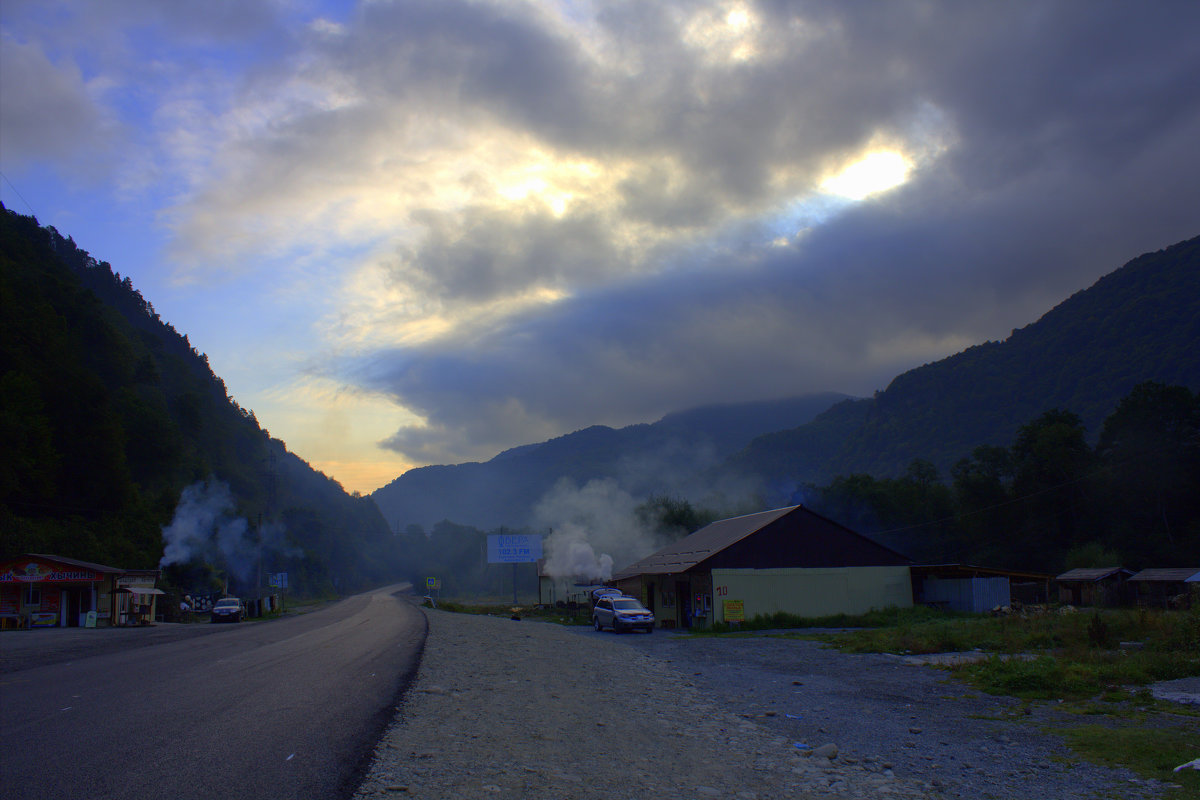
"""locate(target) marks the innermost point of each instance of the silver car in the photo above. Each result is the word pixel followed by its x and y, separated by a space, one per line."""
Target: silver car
pixel 621 614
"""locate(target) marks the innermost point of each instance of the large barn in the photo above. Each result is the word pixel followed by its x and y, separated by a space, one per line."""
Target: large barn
pixel 789 560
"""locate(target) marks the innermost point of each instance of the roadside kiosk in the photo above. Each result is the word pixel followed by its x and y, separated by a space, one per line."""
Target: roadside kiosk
pixel 46 591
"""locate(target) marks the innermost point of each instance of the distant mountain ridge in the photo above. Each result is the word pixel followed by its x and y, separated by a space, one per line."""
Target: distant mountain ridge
pixel 1138 323
pixel 642 458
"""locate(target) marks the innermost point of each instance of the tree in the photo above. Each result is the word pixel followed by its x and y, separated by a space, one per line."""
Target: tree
pixel 1051 460
pixel 1150 451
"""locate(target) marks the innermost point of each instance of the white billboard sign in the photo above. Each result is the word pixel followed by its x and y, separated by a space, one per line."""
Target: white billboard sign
pixel 506 548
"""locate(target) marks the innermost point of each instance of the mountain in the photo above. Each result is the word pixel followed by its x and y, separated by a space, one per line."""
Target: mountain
pixel 662 457
pixel 1139 323
pixel 114 428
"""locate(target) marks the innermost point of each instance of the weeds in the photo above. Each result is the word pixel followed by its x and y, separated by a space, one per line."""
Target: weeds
pixel 1150 752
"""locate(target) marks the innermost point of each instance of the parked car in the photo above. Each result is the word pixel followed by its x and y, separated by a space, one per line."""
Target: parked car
pixel 621 614
pixel 228 609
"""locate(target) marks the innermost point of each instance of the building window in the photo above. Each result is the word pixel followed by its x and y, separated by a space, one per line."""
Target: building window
pixel 33 596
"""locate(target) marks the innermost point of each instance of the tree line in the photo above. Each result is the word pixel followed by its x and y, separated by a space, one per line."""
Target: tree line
pixel 1049 501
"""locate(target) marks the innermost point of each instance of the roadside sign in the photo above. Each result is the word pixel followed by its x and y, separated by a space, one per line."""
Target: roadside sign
pixel 513 548
pixel 433 583
pixel 735 610
pixel 277 580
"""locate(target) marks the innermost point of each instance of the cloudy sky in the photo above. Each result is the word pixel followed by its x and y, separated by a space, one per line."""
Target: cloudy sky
pixel 423 231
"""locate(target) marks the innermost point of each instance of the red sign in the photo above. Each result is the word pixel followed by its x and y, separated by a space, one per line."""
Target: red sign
pixel 32 571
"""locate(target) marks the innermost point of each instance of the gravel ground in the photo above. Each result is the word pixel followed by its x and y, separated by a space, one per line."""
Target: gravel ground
pixel 533 710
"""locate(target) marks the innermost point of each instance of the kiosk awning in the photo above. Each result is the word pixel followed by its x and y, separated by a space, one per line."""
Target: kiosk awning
pixel 141 590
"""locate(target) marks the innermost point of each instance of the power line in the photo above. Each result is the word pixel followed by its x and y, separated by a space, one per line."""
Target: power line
pixel 18 193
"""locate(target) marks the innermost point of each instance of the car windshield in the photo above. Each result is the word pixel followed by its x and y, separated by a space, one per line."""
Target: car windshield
pixel 628 605
pixel 227 604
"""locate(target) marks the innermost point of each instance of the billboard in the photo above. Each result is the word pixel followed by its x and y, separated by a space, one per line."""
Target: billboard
pixel 506 548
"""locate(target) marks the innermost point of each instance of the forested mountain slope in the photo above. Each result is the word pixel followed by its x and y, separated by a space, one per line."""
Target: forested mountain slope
pixel 1139 323
pixel 109 413
pixel 665 457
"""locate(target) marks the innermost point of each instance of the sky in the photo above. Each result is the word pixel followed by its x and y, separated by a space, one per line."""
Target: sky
pixel 425 231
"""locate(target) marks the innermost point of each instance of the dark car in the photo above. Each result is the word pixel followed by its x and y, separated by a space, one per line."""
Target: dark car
pixel 622 614
pixel 228 609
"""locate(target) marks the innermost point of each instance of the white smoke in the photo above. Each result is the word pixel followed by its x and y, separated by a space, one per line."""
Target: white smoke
pixel 205 529
pixel 593 529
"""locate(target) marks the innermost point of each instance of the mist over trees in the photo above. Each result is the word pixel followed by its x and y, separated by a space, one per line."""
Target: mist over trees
pixel 109 414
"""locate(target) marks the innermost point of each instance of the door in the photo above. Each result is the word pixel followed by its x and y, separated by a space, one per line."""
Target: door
pixel 72 607
pixel 683 602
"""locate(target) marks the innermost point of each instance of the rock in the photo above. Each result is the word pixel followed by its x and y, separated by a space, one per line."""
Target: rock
pixel 829 751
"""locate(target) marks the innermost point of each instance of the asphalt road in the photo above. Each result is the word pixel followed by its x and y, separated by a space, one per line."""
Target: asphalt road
pixel 288 708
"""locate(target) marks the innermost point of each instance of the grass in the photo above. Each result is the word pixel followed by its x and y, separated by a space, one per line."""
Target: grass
pixel 1076 661
pixel 1076 655
pixel 875 618
pixel 1150 752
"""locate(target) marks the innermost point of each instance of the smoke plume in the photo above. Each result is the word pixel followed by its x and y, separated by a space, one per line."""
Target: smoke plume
pixel 593 529
pixel 205 529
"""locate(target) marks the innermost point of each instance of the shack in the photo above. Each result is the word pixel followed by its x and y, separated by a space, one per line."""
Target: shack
pixel 137 599
pixel 47 591
pixel 789 560
pixel 1101 586
pixel 1176 587
pixel 966 587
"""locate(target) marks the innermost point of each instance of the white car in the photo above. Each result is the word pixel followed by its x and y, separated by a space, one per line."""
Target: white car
pixel 621 614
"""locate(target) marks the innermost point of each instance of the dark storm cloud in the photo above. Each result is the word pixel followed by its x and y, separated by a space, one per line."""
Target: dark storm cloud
pixel 599 213
pixel 1071 149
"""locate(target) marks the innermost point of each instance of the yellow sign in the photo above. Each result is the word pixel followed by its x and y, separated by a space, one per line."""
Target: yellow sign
pixel 735 610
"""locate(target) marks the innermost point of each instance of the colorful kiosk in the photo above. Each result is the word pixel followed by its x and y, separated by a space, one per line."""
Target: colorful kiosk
pixel 44 591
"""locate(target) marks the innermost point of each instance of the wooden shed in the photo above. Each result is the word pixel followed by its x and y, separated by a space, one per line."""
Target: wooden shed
pixel 1099 586
pixel 790 560
pixel 966 587
pixel 1175 587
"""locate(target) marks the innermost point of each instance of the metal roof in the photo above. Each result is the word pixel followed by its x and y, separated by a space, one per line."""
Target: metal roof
pixel 691 550
pixel 973 570
pixel 74 562
pixel 1170 575
pixel 1092 574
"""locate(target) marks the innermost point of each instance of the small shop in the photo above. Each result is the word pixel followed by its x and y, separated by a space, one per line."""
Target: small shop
pixel 45 591
pixel 136 599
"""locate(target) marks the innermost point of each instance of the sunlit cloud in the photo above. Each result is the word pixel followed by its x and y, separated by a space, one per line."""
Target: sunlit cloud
pixel 876 172
pixel 727 33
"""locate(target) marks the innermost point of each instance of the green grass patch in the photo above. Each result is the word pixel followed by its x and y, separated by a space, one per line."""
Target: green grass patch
pixel 1076 675
pixel 1150 752
pixel 875 618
